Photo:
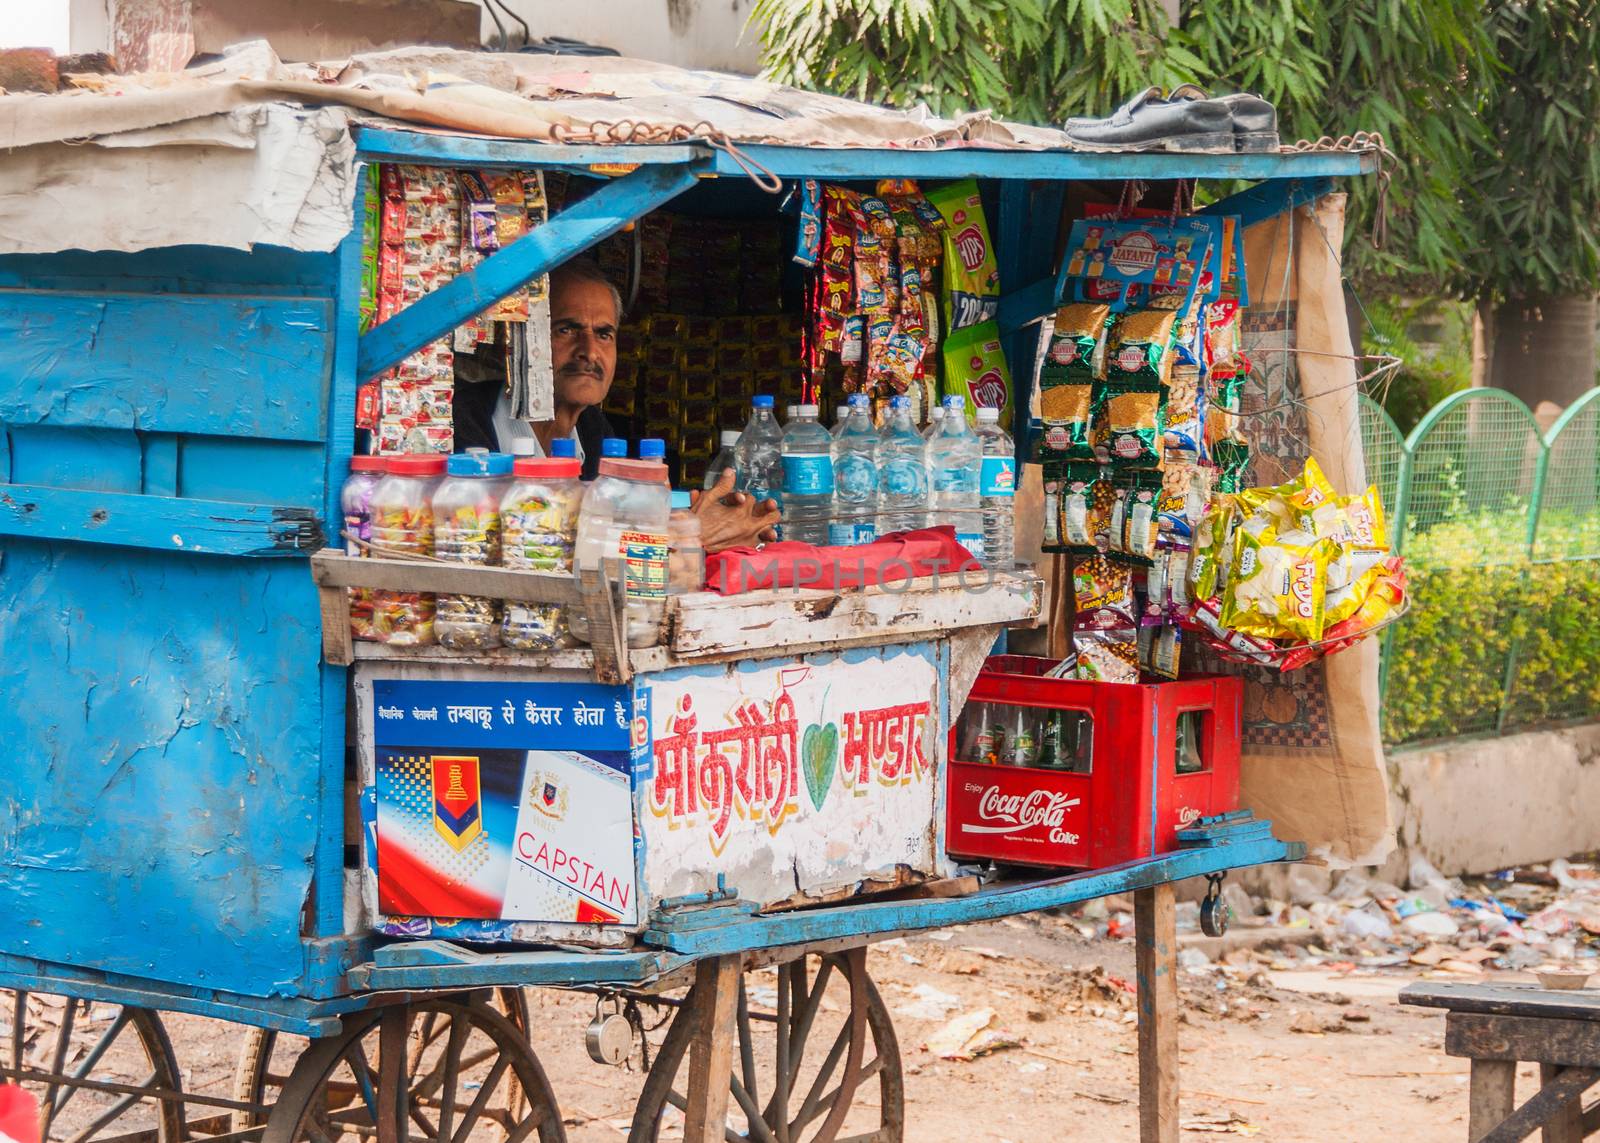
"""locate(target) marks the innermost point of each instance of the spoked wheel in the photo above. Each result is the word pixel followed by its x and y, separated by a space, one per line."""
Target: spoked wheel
pixel 266 1057
pixel 447 1070
pixel 97 1070
pixel 823 1068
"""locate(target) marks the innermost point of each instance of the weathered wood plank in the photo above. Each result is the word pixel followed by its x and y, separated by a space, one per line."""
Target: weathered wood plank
pixel 1565 1123
pixel 332 568
pixel 338 645
pixel 706 624
pixel 1556 1093
pixel 132 520
pixel 154 362
pixel 713 1002
pixel 1503 999
pixel 1155 938
pixel 1493 1095
pixel 1545 1040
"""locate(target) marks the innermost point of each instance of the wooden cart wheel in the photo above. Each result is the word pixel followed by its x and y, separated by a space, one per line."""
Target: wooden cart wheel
pixel 97 1070
pixel 801 1071
pixel 445 1069
pixel 266 1057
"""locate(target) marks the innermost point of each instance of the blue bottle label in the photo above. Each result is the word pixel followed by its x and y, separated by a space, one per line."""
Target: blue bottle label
pixel 972 541
pixel 999 477
pixel 808 474
pixel 953 480
pixel 851 533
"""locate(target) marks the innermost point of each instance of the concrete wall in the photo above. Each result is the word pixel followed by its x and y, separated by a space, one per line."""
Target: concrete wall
pixel 689 33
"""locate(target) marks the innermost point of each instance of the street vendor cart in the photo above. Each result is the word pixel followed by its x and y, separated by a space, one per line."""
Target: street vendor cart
pixel 218 804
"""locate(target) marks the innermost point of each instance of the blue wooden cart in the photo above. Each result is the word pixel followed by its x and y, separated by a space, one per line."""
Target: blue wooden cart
pixel 173 820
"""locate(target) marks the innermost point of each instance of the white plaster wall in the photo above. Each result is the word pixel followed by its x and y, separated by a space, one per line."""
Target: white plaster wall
pixel 689 33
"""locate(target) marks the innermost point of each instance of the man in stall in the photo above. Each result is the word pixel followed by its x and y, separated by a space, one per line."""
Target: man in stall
pixel 585 311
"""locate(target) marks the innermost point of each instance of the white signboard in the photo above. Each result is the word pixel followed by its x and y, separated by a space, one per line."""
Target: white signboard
pixel 791 776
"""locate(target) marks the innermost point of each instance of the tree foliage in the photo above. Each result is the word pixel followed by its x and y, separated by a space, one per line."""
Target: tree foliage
pixel 1410 69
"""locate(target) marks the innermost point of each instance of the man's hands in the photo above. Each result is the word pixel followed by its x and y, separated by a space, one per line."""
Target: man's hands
pixel 730 519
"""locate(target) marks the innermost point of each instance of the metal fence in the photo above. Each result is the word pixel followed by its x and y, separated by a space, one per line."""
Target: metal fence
pixel 1500 527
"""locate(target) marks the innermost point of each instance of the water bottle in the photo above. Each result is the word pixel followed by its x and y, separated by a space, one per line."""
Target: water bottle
pixel 564 448
pixel 935 416
pixel 902 472
pixel 841 418
pixel 612 448
pixel 727 458
pixel 997 486
pixel 759 452
pixel 807 478
pixel 955 457
pixel 653 448
pixel 855 477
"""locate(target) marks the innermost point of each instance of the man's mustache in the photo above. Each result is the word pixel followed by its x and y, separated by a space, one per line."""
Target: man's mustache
pixel 578 367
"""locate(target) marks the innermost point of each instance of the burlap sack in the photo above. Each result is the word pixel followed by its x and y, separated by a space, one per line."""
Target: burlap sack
pixel 1313 761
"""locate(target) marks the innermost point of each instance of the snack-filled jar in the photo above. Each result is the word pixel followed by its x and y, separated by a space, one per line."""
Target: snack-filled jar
pixel 466 530
pixel 686 558
pixel 402 525
pixel 623 524
pixel 355 507
pixel 538 529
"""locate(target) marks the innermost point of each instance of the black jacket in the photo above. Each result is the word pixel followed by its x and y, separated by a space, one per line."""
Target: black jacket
pixel 474 422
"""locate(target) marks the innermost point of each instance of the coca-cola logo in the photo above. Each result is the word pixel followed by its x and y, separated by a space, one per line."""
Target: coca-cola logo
pixel 1018 813
pixel 1187 815
pixel 970 247
pixel 989 390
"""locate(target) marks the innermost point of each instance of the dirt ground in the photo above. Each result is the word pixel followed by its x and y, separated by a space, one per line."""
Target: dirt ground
pixel 1270 1048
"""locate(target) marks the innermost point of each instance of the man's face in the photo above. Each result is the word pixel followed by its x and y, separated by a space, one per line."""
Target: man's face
pixel 583 341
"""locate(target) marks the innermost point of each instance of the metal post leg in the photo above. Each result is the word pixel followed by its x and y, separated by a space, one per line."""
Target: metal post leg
pixel 1156 961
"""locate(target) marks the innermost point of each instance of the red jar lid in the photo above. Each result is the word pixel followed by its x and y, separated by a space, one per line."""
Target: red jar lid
pixel 369 464
pixel 430 464
pixel 547 467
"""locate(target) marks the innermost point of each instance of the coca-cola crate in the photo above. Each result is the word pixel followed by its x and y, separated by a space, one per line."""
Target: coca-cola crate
pixel 1146 760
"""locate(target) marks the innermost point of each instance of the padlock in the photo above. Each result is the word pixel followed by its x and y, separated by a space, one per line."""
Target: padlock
pixel 1214 911
pixel 609 1036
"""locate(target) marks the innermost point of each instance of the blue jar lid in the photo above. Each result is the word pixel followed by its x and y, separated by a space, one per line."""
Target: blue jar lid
pixel 564 447
pixel 614 446
pixel 652 448
pixel 479 462
pixel 761 401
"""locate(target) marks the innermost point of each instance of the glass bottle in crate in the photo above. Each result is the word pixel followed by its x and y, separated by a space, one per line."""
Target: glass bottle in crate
pixel 402 525
pixel 1021 747
pixel 538 528
pixel 466 530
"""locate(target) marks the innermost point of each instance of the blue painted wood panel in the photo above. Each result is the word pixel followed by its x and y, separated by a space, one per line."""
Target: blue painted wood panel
pixel 158 801
pixel 131 520
pixel 103 460
pixel 252 366
pixel 252 471
pixel 273 270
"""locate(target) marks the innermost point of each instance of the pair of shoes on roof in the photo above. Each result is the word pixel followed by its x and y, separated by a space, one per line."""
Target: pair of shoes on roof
pixel 1185 119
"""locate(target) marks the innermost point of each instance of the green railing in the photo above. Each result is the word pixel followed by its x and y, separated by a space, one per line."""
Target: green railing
pixel 1500 527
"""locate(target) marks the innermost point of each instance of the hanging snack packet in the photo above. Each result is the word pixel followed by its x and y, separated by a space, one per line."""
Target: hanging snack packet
pixel 1232 459
pixel 1107 656
pixel 1185 492
pixel 1086 499
pixel 1205 616
pixel 1159 650
pixel 1064 408
pixel 1350 579
pixel 1134 411
pixel 1211 548
pixel 971 276
pixel 1140 346
pixel 975 368
pixel 1276 590
pixel 1185 409
pixel 1141 517
pixel 1053 480
pixel 1078 336
pixel 1102 592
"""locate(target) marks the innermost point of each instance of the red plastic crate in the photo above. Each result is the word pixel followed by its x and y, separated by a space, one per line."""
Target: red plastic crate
pixel 1132 801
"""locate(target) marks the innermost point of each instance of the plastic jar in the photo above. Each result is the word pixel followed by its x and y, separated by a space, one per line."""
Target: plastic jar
pixel 355 507
pixel 466 530
pixel 538 530
pixel 623 522
pixel 686 558
pixel 402 525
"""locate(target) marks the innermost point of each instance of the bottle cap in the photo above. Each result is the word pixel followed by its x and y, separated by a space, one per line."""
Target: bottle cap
pixel 899 402
pixel 680 499
pixel 548 467
pixel 842 411
pixel 652 448
pixel 761 401
pixel 524 447
pixel 730 437
pixel 790 412
pixel 480 462
pixel 369 464
pixel 417 464
pixel 613 447
pixel 955 402
pixel 564 447
pixel 860 401
pixel 806 410
pixel 936 413
pixel 988 415
pixel 647 471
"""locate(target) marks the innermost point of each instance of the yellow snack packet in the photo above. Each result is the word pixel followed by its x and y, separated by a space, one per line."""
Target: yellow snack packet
pixel 1367 530
pixel 1277 590
pixel 1210 544
pixel 1350 578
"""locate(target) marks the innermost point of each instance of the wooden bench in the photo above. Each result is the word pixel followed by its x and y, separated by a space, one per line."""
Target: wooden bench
pixel 1499 1026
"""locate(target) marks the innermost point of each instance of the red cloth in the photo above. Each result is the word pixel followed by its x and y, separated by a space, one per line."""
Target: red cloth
pixel 19 1115
pixel 894 558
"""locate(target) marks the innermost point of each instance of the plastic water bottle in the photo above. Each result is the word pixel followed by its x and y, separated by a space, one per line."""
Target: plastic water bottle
pixel 902 472
pixel 855 477
pixel 841 417
pixel 997 486
pixel 653 448
pixel 807 478
pixel 759 452
pixel 955 459
pixel 564 448
pixel 726 458
pixel 935 416
pixel 612 448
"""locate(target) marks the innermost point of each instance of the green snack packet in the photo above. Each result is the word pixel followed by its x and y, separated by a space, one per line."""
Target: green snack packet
pixel 1232 458
pixel 1133 413
pixel 1085 506
pixel 971 275
pixel 975 368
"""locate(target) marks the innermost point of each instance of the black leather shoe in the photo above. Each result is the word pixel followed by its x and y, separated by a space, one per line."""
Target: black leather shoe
pixel 1150 122
pixel 1255 122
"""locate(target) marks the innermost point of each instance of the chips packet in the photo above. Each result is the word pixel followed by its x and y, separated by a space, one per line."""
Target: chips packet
pixel 1107 656
pixel 1211 549
pixel 971 275
pixel 1277 590
pixel 975 368
pixel 1102 592
pixel 1141 517
pixel 1132 413
pixel 1085 507
pixel 1139 347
